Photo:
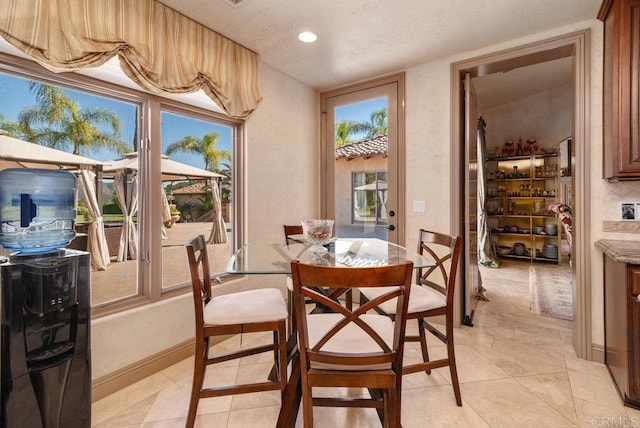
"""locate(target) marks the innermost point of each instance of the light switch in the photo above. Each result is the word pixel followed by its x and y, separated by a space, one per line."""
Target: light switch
pixel 418 206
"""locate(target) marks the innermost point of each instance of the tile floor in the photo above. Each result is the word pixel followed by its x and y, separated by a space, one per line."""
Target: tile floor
pixel 516 369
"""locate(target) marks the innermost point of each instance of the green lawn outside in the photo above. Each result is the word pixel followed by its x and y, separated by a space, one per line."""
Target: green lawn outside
pixel 107 218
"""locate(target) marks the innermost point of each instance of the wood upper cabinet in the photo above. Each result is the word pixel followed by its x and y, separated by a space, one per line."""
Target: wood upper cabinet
pixel 621 87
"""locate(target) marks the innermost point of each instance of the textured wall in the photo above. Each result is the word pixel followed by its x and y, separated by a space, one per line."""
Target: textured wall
pixel 545 117
pixel 283 163
pixel 429 153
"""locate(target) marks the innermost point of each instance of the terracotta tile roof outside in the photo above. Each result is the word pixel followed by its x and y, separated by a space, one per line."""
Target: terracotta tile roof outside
pixel 192 189
pixel 365 148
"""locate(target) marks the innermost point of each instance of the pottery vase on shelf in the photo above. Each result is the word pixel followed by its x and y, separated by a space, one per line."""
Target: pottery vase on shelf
pixel 508 149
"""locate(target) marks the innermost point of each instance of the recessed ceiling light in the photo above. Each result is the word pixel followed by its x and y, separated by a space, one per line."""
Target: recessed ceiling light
pixel 308 37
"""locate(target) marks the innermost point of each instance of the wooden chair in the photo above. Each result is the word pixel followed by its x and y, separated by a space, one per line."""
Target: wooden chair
pixel 292 236
pixel 242 312
pixel 351 348
pixel 290 231
pixel 432 296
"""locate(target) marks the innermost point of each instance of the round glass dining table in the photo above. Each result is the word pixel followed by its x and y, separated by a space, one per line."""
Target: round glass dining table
pixel 270 258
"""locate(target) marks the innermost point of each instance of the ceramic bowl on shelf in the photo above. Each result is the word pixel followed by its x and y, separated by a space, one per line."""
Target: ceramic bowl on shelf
pixel 550 251
pixel 503 250
pixel 551 229
pixel 519 249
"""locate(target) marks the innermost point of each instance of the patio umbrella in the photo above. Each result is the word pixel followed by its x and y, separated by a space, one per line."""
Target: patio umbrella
pixel 127 192
pixel 171 170
pixel 97 244
pixel 219 230
pixel 382 196
pixel 16 153
pixel 166 213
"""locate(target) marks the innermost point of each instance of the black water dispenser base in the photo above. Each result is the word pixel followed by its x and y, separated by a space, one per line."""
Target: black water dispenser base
pixel 45 361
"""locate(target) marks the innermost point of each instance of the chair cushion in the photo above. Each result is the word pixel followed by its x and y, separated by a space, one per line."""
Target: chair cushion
pixel 421 299
pixel 351 339
pixel 265 304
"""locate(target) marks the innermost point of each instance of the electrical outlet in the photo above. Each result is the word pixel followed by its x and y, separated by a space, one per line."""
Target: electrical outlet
pixel 418 206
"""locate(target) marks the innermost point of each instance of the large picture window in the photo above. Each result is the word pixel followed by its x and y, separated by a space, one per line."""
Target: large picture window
pixel 105 122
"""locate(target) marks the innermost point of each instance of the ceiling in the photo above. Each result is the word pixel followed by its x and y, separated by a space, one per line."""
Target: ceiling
pixel 502 88
pixel 360 39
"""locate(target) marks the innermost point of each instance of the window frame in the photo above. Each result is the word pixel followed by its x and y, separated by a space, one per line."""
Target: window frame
pixel 377 173
pixel 174 107
pixel 149 280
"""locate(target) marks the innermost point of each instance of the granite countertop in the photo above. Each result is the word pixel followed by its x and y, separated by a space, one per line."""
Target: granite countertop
pixel 620 251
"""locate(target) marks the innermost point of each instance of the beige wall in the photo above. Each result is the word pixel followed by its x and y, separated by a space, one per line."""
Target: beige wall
pixel 283 157
pixel 545 117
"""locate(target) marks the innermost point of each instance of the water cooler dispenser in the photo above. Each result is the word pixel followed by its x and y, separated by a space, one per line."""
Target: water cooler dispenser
pixel 45 360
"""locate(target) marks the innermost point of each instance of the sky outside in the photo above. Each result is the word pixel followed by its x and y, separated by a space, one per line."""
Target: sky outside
pixel 359 112
pixel 15 96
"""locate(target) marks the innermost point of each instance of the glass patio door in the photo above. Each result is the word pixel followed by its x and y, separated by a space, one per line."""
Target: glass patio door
pixel 360 156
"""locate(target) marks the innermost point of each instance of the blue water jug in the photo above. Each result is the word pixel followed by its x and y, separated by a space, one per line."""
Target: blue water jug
pixel 37 209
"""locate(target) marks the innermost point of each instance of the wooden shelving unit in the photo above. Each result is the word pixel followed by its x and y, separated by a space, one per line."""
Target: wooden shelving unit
pixel 519 190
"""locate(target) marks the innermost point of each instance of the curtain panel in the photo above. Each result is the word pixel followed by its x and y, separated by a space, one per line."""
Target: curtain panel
pixel 158 48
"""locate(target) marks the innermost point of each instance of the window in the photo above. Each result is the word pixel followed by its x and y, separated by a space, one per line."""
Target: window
pixel 104 122
pixel 204 144
pixel 369 197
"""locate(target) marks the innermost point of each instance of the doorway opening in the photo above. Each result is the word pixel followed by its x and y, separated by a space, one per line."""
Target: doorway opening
pixel 362 183
pixel 555 69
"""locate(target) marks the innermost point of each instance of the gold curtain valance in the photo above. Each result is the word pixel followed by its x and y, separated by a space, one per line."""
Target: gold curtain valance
pixel 160 49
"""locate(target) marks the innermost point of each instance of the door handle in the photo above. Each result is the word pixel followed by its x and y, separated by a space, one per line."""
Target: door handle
pixel 390 227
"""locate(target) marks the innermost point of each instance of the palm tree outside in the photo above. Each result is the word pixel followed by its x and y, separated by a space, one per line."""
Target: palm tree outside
pixel 344 130
pixel 213 161
pixel 11 128
pixel 205 146
pixel 376 126
pixel 58 122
